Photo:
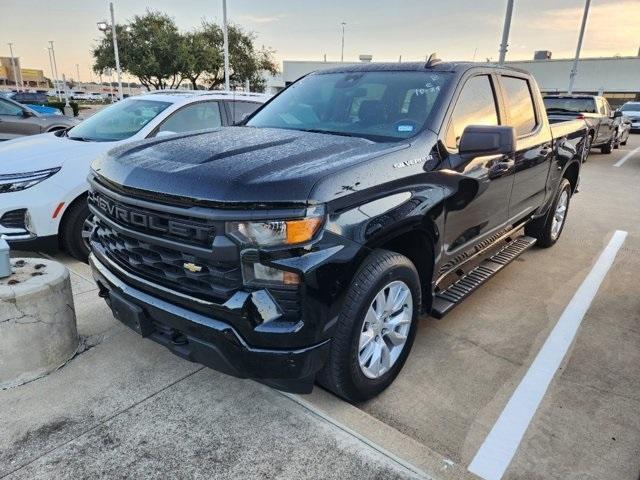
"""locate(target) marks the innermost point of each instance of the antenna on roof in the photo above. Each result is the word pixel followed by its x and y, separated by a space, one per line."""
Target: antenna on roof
pixel 432 60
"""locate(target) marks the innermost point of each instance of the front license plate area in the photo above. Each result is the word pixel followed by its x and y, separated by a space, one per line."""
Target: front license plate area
pixel 130 314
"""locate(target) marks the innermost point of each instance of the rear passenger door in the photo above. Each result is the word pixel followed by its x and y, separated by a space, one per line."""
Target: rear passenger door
pixel 534 150
pixel 606 125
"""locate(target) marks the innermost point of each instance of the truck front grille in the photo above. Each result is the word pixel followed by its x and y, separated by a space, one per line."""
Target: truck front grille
pixel 172 268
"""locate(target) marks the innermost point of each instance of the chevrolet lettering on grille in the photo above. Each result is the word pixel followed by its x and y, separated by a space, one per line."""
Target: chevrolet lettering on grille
pixel 149 221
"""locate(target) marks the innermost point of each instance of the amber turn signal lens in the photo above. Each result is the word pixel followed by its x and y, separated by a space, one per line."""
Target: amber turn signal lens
pixel 300 231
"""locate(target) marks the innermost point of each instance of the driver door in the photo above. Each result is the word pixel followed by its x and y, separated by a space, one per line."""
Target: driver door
pixel 480 204
pixel 13 122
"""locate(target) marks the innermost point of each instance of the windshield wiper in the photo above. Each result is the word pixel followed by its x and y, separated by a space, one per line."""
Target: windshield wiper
pixel 80 139
pixel 558 109
pixel 326 132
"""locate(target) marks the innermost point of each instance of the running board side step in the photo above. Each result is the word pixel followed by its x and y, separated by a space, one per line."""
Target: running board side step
pixel 446 300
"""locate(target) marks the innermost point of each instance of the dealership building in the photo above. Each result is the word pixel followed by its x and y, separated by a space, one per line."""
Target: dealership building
pixel 617 78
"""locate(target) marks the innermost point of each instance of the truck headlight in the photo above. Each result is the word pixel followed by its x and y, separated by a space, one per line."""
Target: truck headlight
pixel 14 182
pixel 275 232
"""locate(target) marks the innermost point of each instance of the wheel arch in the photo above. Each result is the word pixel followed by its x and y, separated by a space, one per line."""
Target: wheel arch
pixel 572 173
pixel 418 244
pixel 82 197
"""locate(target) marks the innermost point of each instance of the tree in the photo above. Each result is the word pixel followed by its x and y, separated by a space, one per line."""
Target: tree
pixel 150 48
pixel 245 61
pixel 153 50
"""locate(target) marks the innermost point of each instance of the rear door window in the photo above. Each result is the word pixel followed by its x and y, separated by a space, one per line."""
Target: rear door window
pixel 522 113
pixel 476 105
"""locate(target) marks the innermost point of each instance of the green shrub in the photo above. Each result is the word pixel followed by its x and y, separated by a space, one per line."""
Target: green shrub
pixel 60 106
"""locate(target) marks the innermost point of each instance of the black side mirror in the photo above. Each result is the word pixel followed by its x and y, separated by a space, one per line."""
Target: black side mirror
pixel 617 114
pixel 480 140
pixel 27 114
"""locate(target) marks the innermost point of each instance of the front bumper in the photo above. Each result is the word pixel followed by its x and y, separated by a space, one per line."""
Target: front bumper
pixel 209 341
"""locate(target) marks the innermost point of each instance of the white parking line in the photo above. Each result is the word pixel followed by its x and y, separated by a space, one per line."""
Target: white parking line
pixel 620 162
pixel 497 450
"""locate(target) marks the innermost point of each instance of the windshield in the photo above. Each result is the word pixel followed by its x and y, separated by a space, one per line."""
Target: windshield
pixel 118 122
pixel 568 104
pixel 378 105
pixel 630 107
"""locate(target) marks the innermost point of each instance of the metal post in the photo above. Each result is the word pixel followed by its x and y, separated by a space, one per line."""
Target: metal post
pixel 574 68
pixel 78 73
pixel 342 49
pixel 505 32
pixel 5 264
pixel 13 65
pixel 225 37
pixel 66 96
pixel 55 69
pixel 115 50
pixel 51 65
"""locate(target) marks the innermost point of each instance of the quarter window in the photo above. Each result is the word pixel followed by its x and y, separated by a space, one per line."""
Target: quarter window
pixel 522 113
pixel 476 106
pixel 241 110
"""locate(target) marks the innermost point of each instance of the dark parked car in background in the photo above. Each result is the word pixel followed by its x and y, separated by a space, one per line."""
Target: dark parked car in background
pixel 17 120
pixel 594 110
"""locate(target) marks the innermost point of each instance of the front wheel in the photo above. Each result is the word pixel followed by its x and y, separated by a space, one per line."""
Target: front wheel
pixel 375 329
pixel 547 229
pixel 76 229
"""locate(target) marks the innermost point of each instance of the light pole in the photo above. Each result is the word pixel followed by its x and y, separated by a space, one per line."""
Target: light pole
pixel 51 65
pixel 55 69
pixel 342 50
pixel 66 95
pixel 574 68
pixel 505 32
pixel 103 27
pixel 225 38
pixel 13 65
pixel 78 73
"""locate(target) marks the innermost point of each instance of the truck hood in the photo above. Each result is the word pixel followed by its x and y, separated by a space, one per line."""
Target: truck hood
pixel 47 150
pixel 236 165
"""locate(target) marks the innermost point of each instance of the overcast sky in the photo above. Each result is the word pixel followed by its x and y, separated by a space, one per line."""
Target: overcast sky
pixel 308 29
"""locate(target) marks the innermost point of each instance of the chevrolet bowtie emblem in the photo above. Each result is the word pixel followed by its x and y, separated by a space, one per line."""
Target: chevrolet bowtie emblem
pixel 192 267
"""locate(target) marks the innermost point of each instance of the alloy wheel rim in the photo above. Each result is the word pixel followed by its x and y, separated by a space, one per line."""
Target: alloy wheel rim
pixel 560 214
pixel 385 329
pixel 87 229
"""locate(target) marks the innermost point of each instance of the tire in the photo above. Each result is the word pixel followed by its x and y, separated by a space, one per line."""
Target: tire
pixel 616 142
pixel 608 148
pixel 544 229
pixel 344 373
pixel 75 221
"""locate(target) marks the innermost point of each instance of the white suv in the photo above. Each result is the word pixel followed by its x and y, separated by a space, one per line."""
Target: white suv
pixel 43 182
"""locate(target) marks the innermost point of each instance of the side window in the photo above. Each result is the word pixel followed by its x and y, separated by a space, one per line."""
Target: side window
pixel 241 110
pixel 475 106
pixel 7 108
pixel 518 98
pixel 197 116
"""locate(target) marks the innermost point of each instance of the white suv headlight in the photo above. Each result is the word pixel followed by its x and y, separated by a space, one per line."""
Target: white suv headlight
pixel 14 182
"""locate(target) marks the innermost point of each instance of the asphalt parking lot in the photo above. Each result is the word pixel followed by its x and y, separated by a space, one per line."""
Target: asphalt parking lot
pixel 126 407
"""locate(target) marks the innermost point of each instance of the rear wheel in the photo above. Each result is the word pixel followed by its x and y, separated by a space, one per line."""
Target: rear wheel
pixel 77 225
pixel 587 147
pixel 547 229
pixel 375 329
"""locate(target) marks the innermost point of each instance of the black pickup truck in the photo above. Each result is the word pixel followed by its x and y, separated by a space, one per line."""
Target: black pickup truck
pixel 603 129
pixel 303 245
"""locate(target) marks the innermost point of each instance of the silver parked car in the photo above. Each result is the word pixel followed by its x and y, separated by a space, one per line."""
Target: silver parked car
pixel 17 120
